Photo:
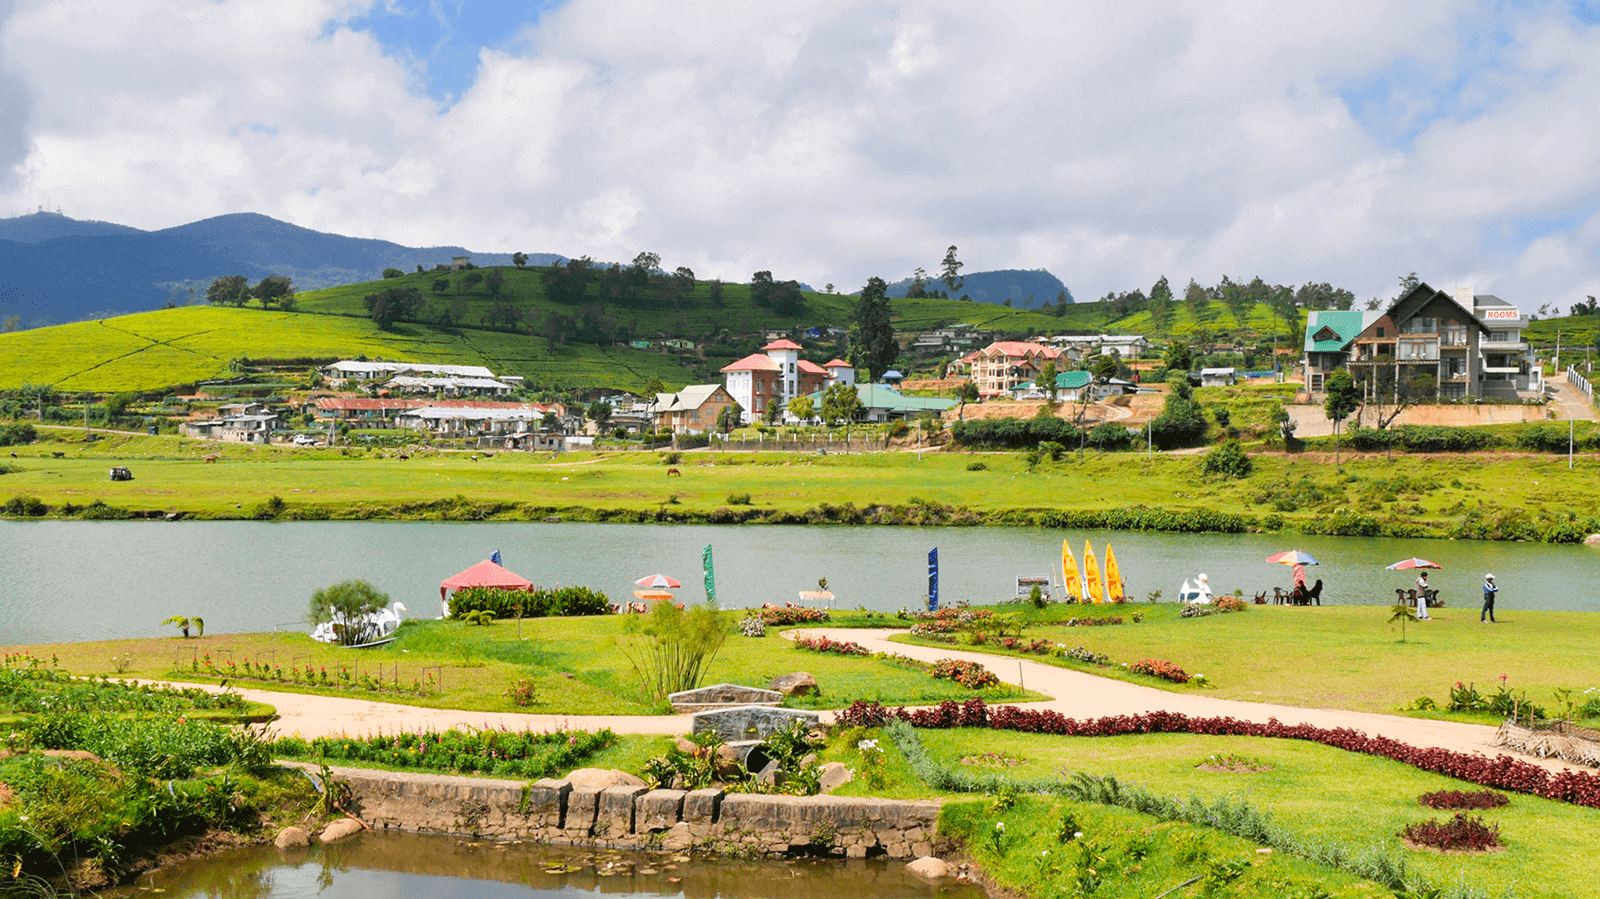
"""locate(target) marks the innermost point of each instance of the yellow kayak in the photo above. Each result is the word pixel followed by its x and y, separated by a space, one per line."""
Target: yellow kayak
pixel 1114 589
pixel 1094 591
pixel 1071 586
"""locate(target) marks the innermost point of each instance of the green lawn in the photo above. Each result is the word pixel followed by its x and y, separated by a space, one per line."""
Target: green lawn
pixel 1349 657
pixel 580 666
pixel 1315 791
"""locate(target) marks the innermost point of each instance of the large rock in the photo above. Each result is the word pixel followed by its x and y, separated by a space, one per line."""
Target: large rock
pixel 750 721
pixel 929 867
pixel 1592 540
pixel 292 838
pixel 342 829
pixel 718 696
pixel 835 775
pixel 797 684
pixel 603 777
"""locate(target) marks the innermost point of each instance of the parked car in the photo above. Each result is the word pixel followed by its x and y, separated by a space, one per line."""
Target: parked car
pixel 120 473
pixel 304 440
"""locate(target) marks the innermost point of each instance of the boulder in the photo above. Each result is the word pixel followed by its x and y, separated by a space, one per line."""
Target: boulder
pixel 342 829
pixel 292 838
pixel 1592 540
pixel 797 684
pixel 602 778
pixel 835 775
pixel 929 867
pixel 684 746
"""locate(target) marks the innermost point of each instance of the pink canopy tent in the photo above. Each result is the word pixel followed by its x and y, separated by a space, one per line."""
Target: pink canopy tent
pixel 483 574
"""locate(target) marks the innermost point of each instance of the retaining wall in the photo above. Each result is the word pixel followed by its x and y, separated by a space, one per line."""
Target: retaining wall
pixel 633 817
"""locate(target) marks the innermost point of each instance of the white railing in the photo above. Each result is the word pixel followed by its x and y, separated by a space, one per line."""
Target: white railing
pixel 1580 382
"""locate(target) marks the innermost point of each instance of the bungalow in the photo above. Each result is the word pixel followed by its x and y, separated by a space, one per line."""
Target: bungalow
pixel 1218 377
pixel 1069 387
pixel 880 402
pixel 447 385
pixel 1001 366
pixel 256 428
pixel 693 410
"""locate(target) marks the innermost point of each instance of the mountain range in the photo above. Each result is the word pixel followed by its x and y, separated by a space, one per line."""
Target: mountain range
pixel 57 269
pixel 1025 288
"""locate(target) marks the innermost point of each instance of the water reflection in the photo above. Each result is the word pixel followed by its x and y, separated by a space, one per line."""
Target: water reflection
pixel 379 864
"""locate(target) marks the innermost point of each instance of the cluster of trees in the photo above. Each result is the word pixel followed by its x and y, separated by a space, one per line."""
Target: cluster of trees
pixel 235 290
pixel 782 297
pixel 1238 297
pixel 949 275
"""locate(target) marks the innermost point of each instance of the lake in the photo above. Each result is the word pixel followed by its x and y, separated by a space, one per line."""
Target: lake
pixel 78 580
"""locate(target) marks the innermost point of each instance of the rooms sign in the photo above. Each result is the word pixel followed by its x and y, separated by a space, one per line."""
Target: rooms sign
pixel 1499 315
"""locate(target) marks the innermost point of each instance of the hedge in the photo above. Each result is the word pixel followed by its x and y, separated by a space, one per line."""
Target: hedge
pixel 536 603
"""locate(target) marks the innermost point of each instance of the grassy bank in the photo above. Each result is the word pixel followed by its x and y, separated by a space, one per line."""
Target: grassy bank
pixel 577 666
pixel 1467 496
pixel 1345 657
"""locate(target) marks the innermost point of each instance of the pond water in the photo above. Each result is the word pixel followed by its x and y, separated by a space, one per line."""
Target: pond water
pixel 378 864
pixel 74 580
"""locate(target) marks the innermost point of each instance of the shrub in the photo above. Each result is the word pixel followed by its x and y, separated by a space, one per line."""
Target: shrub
pixel 1464 799
pixel 30 506
pixel 778 617
pixel 1229 460
pixel 753 626
pixel 977 466
pixel 1461 833
pixel 346 605
pixel 1230 604
pixel 971 675
pixel 535 603
pixel 17 434
pixel 671 648
pixel 523 754
pixel 671 458
pixel 1109 437
pixel 831 647
pixel 1160 668
pixel 523 692
pixel 738 499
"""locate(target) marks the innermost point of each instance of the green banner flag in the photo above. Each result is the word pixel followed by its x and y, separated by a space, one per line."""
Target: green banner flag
pixel 711 579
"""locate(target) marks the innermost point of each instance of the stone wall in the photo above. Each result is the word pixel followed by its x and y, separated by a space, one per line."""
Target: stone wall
pixel 632 817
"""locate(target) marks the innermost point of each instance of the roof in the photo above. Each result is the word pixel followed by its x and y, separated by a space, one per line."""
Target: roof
pixel 371 369
pixel 461 413
pixel 1215 371
pixel 783 345
pixel 1331 330
pixel 811 368
pixel 1065 380
pixel 363 404
pixel 686 400
pixel 753 362
pixel 1017 348
pixel 410 381
pixel 837 363
pixel 485 574
pixel 882 396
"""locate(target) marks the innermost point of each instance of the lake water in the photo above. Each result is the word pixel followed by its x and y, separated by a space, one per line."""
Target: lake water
pixel 379 864
pixel 73 580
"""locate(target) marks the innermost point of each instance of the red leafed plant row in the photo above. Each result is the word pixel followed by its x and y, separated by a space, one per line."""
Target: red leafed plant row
pixel 1501 772
pixel 1463 833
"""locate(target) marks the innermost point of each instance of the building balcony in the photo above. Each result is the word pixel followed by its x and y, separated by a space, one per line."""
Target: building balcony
pixel 1504 346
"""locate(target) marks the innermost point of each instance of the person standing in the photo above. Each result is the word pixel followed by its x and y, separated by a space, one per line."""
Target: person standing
pixel 1489 591
pixel 1422 596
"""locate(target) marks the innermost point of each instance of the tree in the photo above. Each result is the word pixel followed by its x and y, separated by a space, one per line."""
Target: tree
pixel 761 289
pixel 519 259
pixel 652 387
pixel 1181 422
pixel 393 304
pixel 731 417
pixel 873 349
pixel 393 273
pixel 1404 614
pixel 1179 358
pixel 274 290
pixel 950 273
pixel 229 290
pixel 440 285
pixel 803 407
pixel 349 606
pixel 841 403
pixel 599 412
pixel 1342 399
pixel 1104 367
pixel 495 281
pixel 1160 305
pixel 683 280
pixel 919 285
pixel 966 393
pixel 1198 299
pixel 1046 380
pixel 12 323
pixel 714 293
pixel 566 284
pixel 1408 282
pixel 1285 423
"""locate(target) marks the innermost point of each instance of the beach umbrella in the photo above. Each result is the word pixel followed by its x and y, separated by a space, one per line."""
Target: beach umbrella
pixel 1413 562
pixel 658 581
pixel 1293 557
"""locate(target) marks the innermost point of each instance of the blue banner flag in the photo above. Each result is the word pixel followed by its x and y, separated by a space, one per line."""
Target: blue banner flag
pixel 711 580
pixel 495 557
pixel 933 579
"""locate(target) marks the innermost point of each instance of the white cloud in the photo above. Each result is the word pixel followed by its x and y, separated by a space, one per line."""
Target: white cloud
pixel 833 141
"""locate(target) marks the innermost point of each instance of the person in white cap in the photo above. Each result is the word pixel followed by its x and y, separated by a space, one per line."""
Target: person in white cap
pixel 1489 590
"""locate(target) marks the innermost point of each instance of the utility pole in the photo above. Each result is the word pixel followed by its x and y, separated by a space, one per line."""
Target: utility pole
pixel 1569 443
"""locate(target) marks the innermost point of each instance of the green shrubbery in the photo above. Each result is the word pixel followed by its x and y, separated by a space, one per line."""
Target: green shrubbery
pixel 537 603
pixel 528 754
pixel 17 434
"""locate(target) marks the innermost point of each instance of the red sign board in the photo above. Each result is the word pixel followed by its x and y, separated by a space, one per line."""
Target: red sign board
pixel 1501 315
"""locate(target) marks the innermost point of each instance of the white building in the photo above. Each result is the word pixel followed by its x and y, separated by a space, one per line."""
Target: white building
pixel 777 375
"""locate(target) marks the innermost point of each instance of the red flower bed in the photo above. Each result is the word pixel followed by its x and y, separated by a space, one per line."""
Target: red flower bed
pixel 1160 668
pixel 776 616
pixel 968 674
pixel 1463 832
pixel 1462 799
pixel 833 647
pixel 1501 772
pixel 1035 647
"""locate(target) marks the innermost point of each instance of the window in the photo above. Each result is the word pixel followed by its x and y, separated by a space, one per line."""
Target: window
pixel 1455 334
pixel 1382 331
pixel 1420 325
pixel 1419 349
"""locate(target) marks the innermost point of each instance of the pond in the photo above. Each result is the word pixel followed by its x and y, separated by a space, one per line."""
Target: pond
pixel 75 580
pixel 379 864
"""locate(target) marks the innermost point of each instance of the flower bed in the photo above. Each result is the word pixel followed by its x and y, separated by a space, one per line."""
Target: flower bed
pixel 1501 772
pixel 1160 668
pixel 1092 622
pixel 776 616
pixel 1462 799
pixel 1463 833
pixel 938 631
pixel 29 686
pixel 387 680
pixel 832 647
pixel 971 675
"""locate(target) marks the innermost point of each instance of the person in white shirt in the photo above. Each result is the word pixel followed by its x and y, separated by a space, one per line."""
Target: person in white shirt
pixel 1422 596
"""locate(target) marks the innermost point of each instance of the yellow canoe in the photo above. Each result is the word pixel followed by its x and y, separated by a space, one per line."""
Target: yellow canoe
pixel 1071 585
pixel 1094 591
pixel 1115 592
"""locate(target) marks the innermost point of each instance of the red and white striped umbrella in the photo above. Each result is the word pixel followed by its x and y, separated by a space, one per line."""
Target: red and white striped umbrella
pixel 658 581
pixel 1413 562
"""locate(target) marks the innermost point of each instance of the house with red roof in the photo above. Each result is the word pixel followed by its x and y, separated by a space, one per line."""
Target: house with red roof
pixel 999 367
pixel 777 375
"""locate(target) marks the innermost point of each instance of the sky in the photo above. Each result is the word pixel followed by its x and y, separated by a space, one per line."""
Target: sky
pixel 1111 143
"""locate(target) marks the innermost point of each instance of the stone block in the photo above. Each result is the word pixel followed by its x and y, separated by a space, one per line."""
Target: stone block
pixel 583 805
pixel 702 806
pixel 835 775
pixel 797 684
pixel 739 723
pixel 603 777
pixel 722 695
pixel 616 810
pixel 658 810
pixel 547 802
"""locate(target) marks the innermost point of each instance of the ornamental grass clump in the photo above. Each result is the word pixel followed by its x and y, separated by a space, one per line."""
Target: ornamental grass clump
pixel 1462 833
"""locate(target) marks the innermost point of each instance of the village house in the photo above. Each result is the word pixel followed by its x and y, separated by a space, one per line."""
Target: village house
pixel 693 410
pixel 1070 387
pixel 338 374
pixel 998 368
pixel 1125 346
pixel 777 375
pixel 1427 344
pixel 465 422
pixel 256 427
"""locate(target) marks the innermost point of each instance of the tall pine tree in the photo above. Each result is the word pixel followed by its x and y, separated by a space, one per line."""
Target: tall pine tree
pixel 872 347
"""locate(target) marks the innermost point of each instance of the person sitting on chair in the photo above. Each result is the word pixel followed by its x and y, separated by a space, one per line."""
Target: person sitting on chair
pixel 1422 597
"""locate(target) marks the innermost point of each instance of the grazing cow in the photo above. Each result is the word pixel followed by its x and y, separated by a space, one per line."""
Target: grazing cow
pixel 404 457
pixel 212 457
pixel 674 473
pixel 59 455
